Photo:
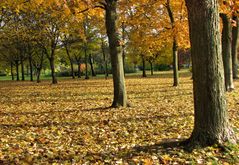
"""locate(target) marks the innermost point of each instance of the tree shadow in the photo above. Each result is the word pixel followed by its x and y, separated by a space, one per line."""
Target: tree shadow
pixel 166 146
pixel 52 112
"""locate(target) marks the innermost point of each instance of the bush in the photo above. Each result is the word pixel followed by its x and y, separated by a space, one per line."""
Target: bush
pixel 63 74
pixel 162 67
pixel 3 73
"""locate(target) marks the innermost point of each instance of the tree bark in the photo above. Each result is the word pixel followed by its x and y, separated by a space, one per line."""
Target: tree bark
pixel 120 98
pixel 92 66
pixel 235 40
pixel 211 125
pixel 226 51
pixel 143 69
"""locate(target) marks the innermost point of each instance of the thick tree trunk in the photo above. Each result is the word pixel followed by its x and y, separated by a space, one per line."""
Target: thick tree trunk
pixel 226 52
pixel 211 125
pixel 143 69
pixel 92 66
pixel 235 40
pixel 17 69
pixel 120 98
pixel 12 74
pixel 53 73
pixel 175 63
pixel 86 65
pixel 22 69
pixel 31 67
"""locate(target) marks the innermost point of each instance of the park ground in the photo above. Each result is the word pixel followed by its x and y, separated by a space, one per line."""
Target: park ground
pixel 71 123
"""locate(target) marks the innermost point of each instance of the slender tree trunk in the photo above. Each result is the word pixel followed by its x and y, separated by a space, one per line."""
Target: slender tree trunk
pixel 105 60
pixel 120 98
pixel 38 75
pixel 235 42
pixel 175 45
pixel 17 69
pixel 79 70
pixel 92 66
pixel 143 63
pixel 31 67
pixel 151 67
pixel 12 74
pixel 211 125
pixel 86 65
pixel 175 63
pixel 123 46
pixel 22 69
pixel 226 52
pixel 71 62
pixel 53 73
pixel 27 70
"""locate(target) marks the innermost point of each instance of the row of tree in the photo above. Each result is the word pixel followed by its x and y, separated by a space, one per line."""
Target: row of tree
pixel 147 26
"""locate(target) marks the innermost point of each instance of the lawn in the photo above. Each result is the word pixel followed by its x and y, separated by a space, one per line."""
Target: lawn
pixel 71 123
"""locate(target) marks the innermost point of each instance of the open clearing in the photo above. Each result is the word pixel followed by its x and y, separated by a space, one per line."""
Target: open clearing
pixel 71 123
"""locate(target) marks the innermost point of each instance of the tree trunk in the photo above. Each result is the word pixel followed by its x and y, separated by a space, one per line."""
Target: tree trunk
pixel 12 74
pixel 151 68
pixel 175 45
pixel 53 73
pixel 86 65
pixel 143 63
pixel 38 75
pixel 92 66
pixel 175 63
pixel 120 98
pixel 79 70
pixel 27 70
pixel 22 69
pixel 31 67
pixel 235 35
pixel 17 69
pixel 211 125
pixel 123 46
pixel 105 60
pixel 71 62
pixel 226 52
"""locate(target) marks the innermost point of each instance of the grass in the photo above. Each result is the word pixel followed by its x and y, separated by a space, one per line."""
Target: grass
pixel 71 123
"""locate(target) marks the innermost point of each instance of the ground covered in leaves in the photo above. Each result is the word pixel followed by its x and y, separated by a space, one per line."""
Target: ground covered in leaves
pixel 70 123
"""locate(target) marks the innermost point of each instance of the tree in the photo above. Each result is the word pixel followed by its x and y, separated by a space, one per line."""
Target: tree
pixel 175 45
pixel 235 42
pixel 227 51
pixel 120 98
pixel 211 125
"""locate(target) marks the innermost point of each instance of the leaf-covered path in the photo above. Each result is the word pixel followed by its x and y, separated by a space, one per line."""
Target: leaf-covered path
pixel 71 123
